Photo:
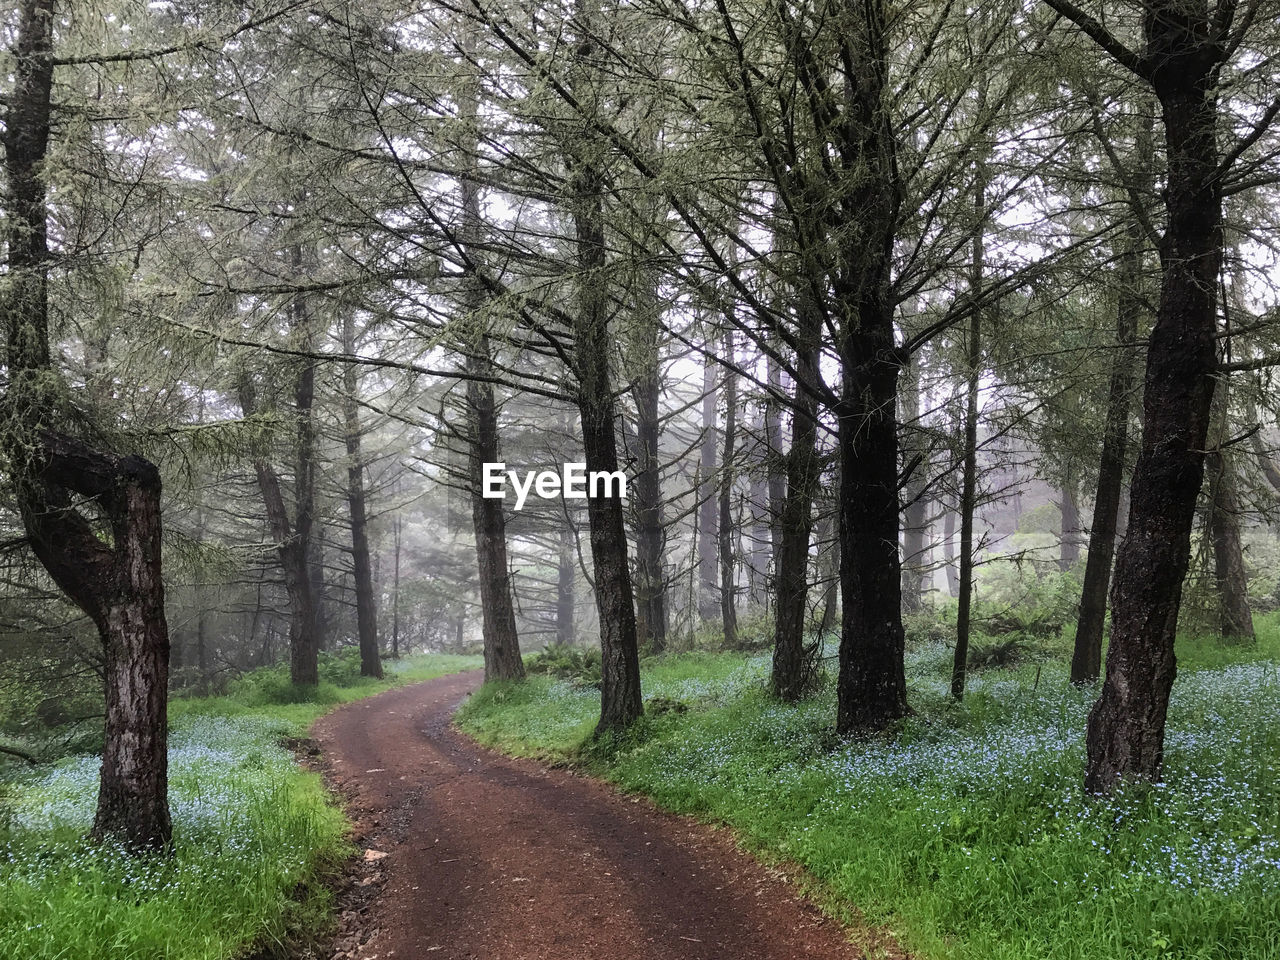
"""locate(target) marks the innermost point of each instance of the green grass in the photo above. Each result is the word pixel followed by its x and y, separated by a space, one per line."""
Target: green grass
pixel 967 834
pixel 254 835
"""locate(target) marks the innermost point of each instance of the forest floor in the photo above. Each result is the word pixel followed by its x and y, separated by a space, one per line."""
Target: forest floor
pixel 477 855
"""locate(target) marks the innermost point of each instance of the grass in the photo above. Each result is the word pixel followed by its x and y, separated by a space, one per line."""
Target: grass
pixel 254 835
pixel 967 834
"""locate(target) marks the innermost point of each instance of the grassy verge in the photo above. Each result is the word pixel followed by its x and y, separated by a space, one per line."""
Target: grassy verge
pixel 253 835
pixel 967 834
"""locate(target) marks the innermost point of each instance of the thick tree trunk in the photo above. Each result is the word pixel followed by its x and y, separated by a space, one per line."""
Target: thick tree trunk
pixel 362 569
pixel 1086 658
pixel 871 691
pixel 1126 726
pixel 728 532
pixel 651 534
pixel 872 687
pixel 708 592
pixel 121 588
pixel 116 580
pixel 132 798
pixel 791 562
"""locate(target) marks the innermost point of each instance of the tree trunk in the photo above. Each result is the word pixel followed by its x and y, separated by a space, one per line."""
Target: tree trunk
pixel 121 588
pixel 304 493
pixel 831 575
pixel 728 532
pixel 707 536
pixel 292 552
pixel 319 593
pixel 117 580
pixel 969 478
pixel 1126 726
pixel 502 660
pixel 758 556
pixel 1235 619
pixel 565 587
pixel 795 520
pixel 872 687
pixel 651 535
pixel 949 510
pixel 915 516
pixel 777 464
pixel 395 591
pixel 1086 658
pixel 366 605
pixel 871 691
pixel 1069 541
pixel 594 345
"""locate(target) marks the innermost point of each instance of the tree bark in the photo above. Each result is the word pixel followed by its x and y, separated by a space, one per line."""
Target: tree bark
pixel 871 692
pixel 651 534
pixel 502 660
pixel 292 551
pixel 1125 737
pixel 795 519
pixel 1235 619
pixel 117 580
pixel 1086 658
pixel 362 569
pixel 620 703
pixel 304 477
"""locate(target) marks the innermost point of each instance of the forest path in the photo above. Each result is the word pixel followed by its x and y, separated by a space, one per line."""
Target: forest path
pixel 490 858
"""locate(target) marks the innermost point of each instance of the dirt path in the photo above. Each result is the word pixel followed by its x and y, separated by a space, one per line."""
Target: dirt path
pixel 498 859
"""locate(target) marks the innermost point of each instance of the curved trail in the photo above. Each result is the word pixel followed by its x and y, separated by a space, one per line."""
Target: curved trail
pixel 490 858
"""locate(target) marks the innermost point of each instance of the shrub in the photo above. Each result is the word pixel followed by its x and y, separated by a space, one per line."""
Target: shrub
pixel 580 665
pixel 1000 653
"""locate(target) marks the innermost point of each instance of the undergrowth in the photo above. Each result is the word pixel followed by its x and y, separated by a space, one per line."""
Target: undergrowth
pixel 254 834
pixel 967 833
